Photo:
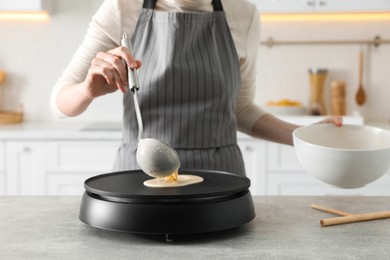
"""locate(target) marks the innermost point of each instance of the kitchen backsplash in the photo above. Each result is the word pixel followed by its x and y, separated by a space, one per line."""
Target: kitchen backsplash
pixel 35 53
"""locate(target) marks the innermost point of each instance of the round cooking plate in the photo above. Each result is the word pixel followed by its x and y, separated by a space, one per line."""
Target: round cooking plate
pixel 127 186
pixel 120 201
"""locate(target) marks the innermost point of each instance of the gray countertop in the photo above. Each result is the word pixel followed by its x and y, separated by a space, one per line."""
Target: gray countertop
pixel 284 228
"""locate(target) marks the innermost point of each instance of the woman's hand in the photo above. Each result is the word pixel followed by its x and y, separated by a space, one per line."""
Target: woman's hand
pixel 336 120
pixel 270 128
pixel 108 72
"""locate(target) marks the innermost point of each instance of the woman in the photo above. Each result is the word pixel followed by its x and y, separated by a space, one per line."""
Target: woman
pixel 197 78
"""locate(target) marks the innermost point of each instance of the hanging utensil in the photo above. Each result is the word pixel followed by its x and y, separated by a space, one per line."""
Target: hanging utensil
pixel 361 94
pixel 2 76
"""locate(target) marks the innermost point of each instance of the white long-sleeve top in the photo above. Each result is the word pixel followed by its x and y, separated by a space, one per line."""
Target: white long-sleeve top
pixel 116 16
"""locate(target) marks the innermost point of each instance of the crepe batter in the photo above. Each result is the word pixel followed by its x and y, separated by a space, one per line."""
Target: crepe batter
pixel 173 180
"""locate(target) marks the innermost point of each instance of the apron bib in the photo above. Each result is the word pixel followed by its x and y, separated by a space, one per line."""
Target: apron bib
pixel 189 83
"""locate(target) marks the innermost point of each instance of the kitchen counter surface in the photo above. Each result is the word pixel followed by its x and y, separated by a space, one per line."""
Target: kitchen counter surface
pixel 64 129
pixel 284 228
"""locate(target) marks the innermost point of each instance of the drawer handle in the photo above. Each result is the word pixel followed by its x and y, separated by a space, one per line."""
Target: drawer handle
pixel 248 149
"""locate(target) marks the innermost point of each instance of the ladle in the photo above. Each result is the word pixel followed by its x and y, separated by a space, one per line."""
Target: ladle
pixel 156 158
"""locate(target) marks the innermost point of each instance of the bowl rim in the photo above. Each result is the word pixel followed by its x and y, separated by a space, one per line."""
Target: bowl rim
pixel 373 128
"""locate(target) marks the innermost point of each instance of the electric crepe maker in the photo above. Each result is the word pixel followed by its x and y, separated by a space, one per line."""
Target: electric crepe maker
pixel 120 201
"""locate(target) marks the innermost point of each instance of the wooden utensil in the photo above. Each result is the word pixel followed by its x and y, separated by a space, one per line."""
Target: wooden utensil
pixel 347 217
pixel 354 218
pixel 2 76
pixel 330 210
pixel 360 95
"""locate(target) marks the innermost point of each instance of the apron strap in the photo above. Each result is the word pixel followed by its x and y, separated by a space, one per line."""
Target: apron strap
pixel 217 5
pixel 151 4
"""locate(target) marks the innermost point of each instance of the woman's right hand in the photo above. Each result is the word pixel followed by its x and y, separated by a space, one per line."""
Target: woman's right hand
pixel 108 72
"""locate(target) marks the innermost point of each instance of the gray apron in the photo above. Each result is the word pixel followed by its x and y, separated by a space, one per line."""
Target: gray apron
pixel 189 83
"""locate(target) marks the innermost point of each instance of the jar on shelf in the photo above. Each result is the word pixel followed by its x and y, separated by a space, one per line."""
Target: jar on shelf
pixel 338 92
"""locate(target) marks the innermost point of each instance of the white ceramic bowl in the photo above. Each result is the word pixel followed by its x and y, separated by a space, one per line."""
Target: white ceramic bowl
pixel 347 157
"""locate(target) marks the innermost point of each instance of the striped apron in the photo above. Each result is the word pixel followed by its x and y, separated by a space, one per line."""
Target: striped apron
pixel 189 83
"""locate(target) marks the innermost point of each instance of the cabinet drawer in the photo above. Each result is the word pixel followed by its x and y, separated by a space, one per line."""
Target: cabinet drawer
pixel 81 156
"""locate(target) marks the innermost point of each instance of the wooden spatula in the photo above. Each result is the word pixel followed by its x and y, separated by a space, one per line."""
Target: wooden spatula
pixel 361 94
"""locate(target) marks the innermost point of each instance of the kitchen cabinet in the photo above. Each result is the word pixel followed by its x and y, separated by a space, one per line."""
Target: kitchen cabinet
pixel 56 159
pixel 25 160
pixel 286 176
pixel 254 153
pixel 25 5
pixel 321 6
pixel 302 184
pixel 54 167
pixel 60 167
pixel 2 169
pixel 70 163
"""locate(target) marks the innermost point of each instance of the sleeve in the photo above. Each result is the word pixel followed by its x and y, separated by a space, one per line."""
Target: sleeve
pixel 103 34
pixel 247 111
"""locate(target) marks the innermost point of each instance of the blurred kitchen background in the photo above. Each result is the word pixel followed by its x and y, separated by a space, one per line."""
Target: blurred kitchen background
pixel 44 155
pixel 33 53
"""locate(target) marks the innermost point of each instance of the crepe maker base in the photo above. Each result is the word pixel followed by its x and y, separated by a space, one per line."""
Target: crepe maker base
pixel 119 201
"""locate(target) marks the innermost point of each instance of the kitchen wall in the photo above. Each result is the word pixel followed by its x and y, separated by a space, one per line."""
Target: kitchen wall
pixel 35 53
pixel 283 70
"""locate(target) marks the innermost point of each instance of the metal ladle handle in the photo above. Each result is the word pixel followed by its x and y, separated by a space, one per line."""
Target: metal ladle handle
pixel 134 86
pixel 132 74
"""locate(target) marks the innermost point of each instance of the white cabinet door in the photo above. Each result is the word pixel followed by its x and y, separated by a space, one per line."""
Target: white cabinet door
pixel 380 187
pixel 70 163
pixel 25 167
pixel 300 184
pixel 2 169
pixel 54 168
pixel 253 152
pixel 81 156
pixel 286 176
pixel 282 158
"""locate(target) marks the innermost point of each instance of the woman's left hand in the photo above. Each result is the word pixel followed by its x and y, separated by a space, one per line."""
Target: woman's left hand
pixel 336 120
